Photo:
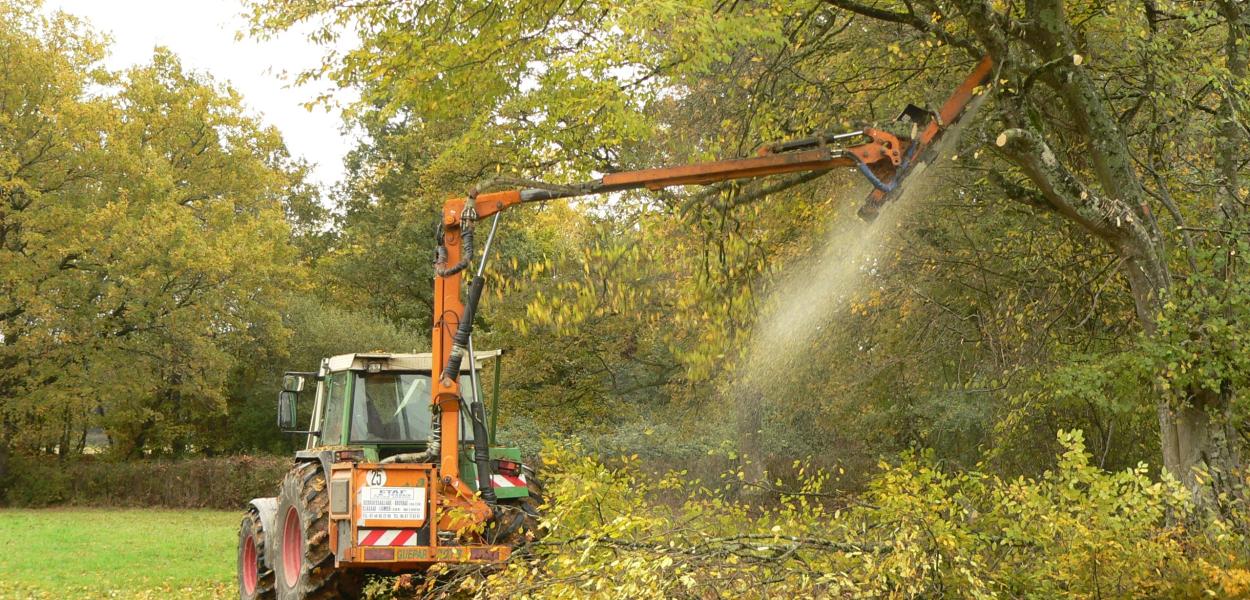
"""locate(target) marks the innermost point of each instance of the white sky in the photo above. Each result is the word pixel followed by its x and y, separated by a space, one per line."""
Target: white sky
pixel 201 33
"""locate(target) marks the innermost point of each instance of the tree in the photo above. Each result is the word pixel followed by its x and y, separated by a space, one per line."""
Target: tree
pixel 573 348
pixel 1086 165
pixel 144 242
pixel 317 330
pixel 47 148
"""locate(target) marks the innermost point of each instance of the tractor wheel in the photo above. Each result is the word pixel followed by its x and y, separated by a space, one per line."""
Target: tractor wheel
pixel 520 522
pixel 532 504
pixel 255 573
pixel 304 568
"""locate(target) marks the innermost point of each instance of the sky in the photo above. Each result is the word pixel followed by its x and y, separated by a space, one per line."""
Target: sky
pixel 201 33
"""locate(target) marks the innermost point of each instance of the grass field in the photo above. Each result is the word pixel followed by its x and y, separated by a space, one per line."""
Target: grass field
pixel 92 553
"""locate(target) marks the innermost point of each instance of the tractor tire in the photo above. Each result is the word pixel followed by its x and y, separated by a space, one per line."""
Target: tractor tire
pixel 304 566
pixel 255 573
pixel 532 505
pixel 523 517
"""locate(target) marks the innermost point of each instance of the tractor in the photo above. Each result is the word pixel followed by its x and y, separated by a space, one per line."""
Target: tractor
pixel 399 470
pixel 363 496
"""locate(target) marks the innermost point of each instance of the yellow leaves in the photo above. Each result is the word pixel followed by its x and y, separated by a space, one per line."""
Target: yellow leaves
pixel 1228 582
pixel 469 585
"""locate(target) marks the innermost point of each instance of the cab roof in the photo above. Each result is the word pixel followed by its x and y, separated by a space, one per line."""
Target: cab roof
pixel 399 362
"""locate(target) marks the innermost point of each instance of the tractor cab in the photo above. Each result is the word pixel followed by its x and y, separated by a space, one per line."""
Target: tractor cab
pixel 380 405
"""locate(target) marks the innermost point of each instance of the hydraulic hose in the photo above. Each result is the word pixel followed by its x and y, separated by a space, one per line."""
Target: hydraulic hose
pixel 440 252
pixel 464 330
pixel 481 442
pixel 460 341
pixel 481 452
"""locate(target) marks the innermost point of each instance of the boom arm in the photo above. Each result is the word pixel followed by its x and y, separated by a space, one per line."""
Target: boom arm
pixel 883 157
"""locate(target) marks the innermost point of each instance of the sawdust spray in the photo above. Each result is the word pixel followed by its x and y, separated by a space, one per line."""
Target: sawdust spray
pixel 813 295
pixel 810 297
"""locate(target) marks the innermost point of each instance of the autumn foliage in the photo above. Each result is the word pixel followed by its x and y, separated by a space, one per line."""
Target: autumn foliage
pixel 920 530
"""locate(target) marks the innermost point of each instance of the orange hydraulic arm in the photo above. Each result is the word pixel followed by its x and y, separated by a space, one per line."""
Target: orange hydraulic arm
pixel 883 157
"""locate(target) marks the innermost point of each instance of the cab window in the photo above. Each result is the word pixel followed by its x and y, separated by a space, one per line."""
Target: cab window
pixel 391 407
pixel 395 407
pixel 332 425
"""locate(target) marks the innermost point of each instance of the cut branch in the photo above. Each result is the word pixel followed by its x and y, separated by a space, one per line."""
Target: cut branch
pixel 1058 186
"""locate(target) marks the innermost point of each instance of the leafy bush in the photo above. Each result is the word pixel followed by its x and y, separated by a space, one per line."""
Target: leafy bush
pixel 34 482
pixel 919 531
pixel 225 482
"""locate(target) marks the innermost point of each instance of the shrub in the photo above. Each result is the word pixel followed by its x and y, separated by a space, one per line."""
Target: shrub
pixel 222 482
pixel 35 482
pixel 919 531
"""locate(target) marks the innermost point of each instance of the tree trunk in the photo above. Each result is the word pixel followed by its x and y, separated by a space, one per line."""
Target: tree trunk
pixel 4 461
pixel 1198 443
pixel 67 427
pixel 1194 438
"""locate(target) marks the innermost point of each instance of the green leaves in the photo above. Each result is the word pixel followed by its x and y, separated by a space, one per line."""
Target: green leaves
pixel 1204 329
pixel 985 324
pixel 144 242
pixel 921 530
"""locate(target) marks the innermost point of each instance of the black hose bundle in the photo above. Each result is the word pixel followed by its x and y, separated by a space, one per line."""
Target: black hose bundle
pixel 464 329
pixel 481 451
pixel 460 341
pixel 440 251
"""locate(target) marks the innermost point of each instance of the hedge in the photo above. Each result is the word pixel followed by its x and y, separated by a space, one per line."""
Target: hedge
pixel 221 482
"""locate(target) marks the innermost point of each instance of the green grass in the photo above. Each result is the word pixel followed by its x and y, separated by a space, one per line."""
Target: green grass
pixel 133 553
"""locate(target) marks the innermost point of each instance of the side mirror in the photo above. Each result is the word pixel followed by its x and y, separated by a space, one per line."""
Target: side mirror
pixel 292 382
pixel 286 409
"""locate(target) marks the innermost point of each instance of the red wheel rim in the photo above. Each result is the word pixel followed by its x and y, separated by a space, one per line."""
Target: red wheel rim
pixel 250 576
pixel 292 548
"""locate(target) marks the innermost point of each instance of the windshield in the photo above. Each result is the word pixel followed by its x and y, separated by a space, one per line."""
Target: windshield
pixel 395 407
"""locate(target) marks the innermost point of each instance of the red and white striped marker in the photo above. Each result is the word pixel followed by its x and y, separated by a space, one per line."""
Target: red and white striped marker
pixel 504 481
pixel 386 537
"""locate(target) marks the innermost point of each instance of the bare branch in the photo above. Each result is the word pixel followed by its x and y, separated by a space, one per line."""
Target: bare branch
pixel 911 20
